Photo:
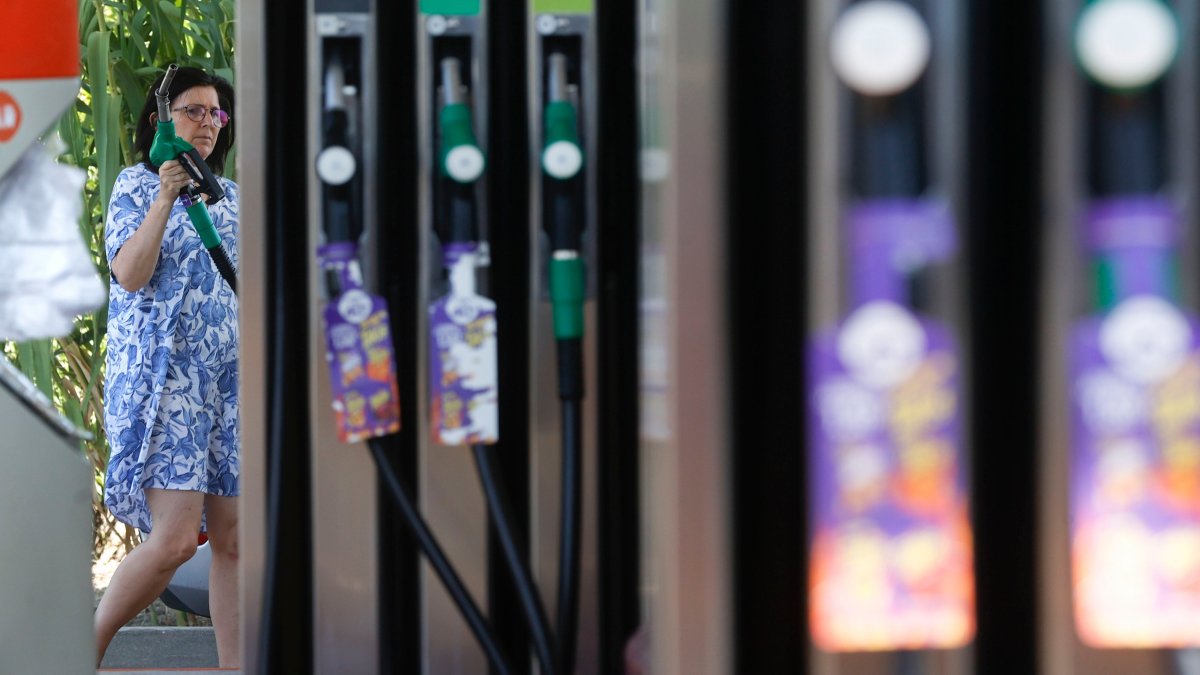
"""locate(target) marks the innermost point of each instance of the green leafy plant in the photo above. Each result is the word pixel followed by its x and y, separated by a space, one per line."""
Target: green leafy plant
pixel 124 45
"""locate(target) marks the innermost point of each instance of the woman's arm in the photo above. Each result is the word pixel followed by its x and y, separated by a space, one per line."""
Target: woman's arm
pixel 134 264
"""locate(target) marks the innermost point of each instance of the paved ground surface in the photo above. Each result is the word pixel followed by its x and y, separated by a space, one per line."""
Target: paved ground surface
pixel 147 647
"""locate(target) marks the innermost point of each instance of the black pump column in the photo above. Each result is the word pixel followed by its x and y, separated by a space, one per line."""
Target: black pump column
pixel 562 111
pixel 342 91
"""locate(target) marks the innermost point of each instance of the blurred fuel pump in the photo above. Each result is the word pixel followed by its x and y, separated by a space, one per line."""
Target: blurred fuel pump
pixel 890 534
pixel 1135 507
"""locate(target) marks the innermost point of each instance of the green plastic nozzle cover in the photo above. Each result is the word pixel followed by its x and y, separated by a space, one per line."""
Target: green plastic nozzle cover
pixel 562 157
pixel 562 124
pixel 456 128
pixel 167 145
pixel 566 297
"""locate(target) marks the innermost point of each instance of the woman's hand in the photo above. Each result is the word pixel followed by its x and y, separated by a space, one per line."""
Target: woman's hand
pixel 174 179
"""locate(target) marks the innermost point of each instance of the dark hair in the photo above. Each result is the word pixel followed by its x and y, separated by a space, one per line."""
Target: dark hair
pixel 186 78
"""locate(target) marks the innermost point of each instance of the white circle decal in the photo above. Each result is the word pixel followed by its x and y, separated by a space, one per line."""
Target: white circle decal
pixel 1126 43
pixel 881 344
pixel 1145 339
pixel 880 47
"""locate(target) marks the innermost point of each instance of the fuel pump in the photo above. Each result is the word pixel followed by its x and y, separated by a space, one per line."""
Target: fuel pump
pixel 1135 350
pixel 1120 339
pixel 360 352
pixel 886 466
pixel 562 56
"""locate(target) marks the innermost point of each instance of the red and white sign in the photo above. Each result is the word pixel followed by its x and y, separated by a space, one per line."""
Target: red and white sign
pixel 39 70
pixel 10 116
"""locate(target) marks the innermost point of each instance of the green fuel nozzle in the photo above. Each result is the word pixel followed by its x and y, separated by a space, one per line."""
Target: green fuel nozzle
pixel 460 157
pixel 167 145
pixel 562 155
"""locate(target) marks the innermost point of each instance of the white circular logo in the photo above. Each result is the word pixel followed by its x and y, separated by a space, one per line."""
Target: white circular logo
pixel 547 24
pixel 355 306
pixel 436 24
pixel 461 310
pixel 1126 43
pixel 849 411
pixel 879 47
pixel 336 165
pixel 562 159
pixel 464 163
pixel 881 344
pixel 1110 404
pixel 447 335
pixel 1145 339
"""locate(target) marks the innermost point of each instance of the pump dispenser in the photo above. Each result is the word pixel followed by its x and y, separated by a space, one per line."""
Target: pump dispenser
pixel 1136 345
pixel 883 339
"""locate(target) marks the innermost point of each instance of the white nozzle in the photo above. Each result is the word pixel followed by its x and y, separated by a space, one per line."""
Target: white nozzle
pixel 464 163
pixel 562 159
pixel 880 47
pixel 336 165
pixel 1126 44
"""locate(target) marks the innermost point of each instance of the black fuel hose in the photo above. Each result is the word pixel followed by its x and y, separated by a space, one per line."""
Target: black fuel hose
pixel 476 621
pixel 518 567
pixel 571 527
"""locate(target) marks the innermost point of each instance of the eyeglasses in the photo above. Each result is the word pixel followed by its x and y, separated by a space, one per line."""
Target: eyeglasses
pixel 196 111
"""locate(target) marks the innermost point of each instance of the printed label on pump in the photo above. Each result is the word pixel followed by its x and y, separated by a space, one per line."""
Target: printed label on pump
pixel 453 7
pixel 890 557
pixel 563 6
pixel 1135 476
pixel 358 342
pixel 464 382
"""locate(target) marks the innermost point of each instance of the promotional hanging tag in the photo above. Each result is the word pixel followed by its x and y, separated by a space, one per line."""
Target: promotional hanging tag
pixel 1135 419
pixel 891 239
pixel 891 544
pixel 464 383
pixel 358 342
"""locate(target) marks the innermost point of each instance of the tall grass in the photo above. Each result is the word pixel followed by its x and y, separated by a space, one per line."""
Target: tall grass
pixel 124 45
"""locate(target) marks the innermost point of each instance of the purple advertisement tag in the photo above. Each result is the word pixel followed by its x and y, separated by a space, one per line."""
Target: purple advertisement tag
pixel 1134 240
pixel 1131 223
pixel 1135 476
pixel 890 238
pixel 463 375
pixel 891 543
pixel 358 343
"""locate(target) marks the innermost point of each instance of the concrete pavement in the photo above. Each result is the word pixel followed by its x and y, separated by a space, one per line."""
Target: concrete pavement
pixel 157 647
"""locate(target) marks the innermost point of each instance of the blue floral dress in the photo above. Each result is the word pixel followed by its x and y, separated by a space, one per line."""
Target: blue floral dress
pixel 171 390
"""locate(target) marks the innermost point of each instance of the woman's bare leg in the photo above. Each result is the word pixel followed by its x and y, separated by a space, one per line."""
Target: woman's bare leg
pixel 146 571
pixel 223 599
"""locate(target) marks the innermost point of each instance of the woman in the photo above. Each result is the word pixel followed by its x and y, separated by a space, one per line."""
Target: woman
pixel 171 407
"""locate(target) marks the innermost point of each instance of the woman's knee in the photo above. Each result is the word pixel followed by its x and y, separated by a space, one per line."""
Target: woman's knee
pixel 173 549
pixel 224 541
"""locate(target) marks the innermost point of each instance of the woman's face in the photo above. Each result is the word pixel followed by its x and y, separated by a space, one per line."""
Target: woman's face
pixel 202 134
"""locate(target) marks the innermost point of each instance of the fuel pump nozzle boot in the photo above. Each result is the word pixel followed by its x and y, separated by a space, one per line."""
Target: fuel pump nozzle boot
pixel 460 157
pixel 562 156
